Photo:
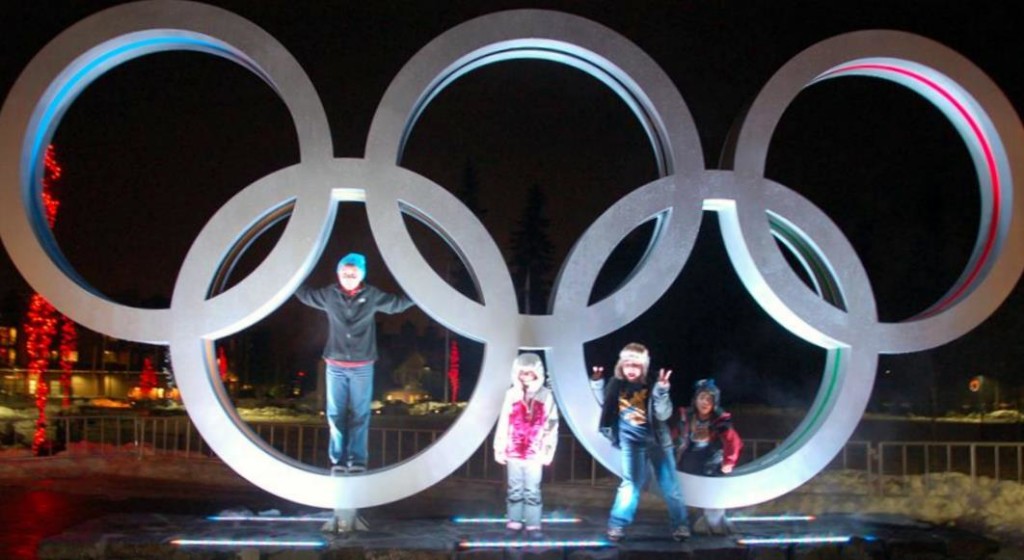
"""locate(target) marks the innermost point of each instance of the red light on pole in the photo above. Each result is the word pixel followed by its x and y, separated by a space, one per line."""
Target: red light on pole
pixel 975 383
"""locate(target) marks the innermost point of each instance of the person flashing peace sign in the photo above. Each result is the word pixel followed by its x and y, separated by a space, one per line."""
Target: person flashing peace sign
pixel 635 418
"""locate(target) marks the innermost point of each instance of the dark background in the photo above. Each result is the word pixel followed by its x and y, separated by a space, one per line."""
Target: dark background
pixel 153 148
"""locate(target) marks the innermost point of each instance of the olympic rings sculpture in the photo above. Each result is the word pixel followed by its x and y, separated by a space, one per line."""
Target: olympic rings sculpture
pixel 838 315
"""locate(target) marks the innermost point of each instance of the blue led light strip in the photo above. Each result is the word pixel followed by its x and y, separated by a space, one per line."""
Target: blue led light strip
pixel 532 544
pixel 247 542
pixel 797 540
pixel 758 518
pixel 505 520
pixel 258 518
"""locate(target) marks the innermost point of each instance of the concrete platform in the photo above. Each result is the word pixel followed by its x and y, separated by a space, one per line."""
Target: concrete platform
pixel 429 534
pixel 103 516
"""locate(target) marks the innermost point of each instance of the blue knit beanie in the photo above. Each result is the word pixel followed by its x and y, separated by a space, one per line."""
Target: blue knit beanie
pixel 353 259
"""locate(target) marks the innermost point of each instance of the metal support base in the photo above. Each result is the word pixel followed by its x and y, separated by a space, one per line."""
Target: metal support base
pixel 344 521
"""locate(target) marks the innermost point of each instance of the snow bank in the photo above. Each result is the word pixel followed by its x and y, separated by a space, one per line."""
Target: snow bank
pixel 994 508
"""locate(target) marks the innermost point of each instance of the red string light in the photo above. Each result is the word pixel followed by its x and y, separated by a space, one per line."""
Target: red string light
pixel 147 381
pixel 40 328
pixel 41 323
pixel 51 172
pixel 222 364
pixel 453 370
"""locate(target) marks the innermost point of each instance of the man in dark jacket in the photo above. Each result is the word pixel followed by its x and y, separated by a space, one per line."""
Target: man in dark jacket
pixel 349 353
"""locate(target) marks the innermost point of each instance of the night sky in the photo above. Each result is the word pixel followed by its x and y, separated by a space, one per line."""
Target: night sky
pixel 152 149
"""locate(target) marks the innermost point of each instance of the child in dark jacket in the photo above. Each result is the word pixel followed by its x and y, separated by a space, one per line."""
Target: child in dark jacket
pixel 710 447
pixel 635 417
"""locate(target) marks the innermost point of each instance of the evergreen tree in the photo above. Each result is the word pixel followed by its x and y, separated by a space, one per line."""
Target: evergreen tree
pixel 532 254
pixel 469 190
pixel 469 194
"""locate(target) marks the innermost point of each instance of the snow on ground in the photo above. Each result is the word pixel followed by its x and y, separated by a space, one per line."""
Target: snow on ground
pixel 990 507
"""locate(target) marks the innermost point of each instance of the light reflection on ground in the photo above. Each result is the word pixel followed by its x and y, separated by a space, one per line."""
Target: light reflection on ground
pixel 42 508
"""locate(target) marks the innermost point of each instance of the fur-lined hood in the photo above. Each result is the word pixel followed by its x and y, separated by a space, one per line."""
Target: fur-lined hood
pixel 532 362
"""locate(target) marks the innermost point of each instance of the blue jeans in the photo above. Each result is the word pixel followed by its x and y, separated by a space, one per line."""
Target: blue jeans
pixel 349 392
pixel 524 499
pixel 635 459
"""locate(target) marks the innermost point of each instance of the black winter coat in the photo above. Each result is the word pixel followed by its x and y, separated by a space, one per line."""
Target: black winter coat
pixel 352 330
pixel 659 411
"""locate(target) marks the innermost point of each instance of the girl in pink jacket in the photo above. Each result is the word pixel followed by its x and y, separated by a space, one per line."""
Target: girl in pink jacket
pixel 525 441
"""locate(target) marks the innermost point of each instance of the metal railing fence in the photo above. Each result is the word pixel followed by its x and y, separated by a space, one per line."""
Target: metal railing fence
pixel 899 461
pixel 887 465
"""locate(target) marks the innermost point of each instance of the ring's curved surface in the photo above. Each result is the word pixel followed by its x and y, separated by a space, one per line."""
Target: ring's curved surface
pixel 991 131
pixel 54 79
